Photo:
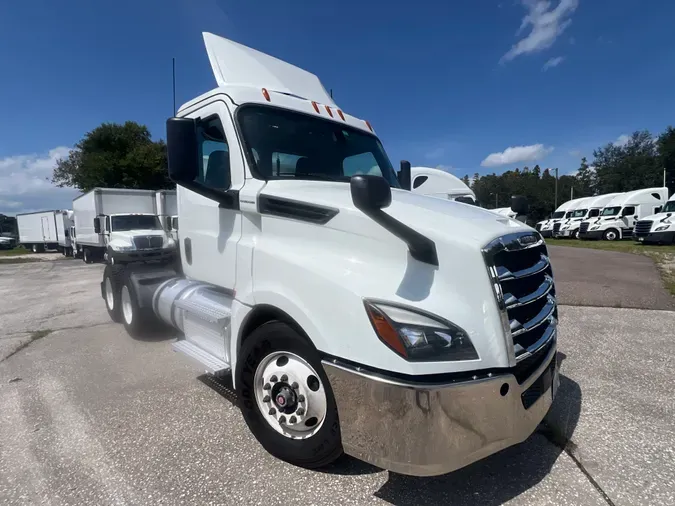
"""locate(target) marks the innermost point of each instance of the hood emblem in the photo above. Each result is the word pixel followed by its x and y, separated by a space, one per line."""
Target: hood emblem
pixel 526 240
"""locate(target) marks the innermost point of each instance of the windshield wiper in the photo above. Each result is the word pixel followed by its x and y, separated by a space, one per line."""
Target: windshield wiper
pixel 319 177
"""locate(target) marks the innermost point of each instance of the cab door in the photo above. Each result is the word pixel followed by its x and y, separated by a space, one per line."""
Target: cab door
pixel 210 221
pixel 629 218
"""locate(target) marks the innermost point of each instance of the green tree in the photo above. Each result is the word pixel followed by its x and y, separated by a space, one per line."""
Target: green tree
pixel 466 181
pixel 666 149
pixel 115 156
pixel 586 179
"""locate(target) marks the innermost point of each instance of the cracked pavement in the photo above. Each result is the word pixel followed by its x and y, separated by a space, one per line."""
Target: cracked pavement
pixel 89 415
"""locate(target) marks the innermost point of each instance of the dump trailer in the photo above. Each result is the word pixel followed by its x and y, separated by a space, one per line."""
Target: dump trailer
pixel 120 226
pixel 38 231
pixel 416 333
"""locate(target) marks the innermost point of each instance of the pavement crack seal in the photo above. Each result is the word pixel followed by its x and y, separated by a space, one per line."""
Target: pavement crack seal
pixel 34 336
pixel 562 442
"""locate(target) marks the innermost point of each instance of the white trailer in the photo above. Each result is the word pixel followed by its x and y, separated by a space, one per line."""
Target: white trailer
pixel 413 332
pixel 619 217
pixel 120 225
pixel 658 228
pixel 64 222
pixel 167 210
pixel 38 231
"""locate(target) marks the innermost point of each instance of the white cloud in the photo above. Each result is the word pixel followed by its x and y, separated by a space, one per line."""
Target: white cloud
pixel 622 140
pixel 446 168
pixel 575 152
pixel 545 23
pixel 25 183
pixel 517 154
pixel 552 62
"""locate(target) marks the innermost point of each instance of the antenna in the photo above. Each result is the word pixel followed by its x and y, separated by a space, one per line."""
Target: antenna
pixel 173 64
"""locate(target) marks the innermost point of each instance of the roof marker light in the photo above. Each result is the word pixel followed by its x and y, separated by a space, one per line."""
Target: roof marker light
pixel 341 115
pixel 370 127
pixel 330 113
pixel 266 94
pixel 316 107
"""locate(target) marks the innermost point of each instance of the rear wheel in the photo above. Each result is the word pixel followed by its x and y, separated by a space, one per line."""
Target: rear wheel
pixel 611 235
pixel 87 256
pixel 112 280
pixel 285 397
pixel 138 321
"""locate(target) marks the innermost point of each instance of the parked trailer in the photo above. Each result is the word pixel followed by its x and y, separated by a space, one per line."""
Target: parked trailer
pixel 38 231
pixel 353 314
pixel 167 210
pixel 64 222
pixel 658 228
pixel 120 225
pixel 618 218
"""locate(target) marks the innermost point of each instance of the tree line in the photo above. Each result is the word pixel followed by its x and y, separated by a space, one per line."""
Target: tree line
pixel 637 163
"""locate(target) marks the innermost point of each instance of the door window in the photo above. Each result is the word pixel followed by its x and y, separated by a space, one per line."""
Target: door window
pixel 628 211
pixel 214 154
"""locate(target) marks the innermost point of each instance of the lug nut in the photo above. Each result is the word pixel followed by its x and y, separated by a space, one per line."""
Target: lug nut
pixel 272 411
pixel 274 378
pixel 284 378
pixel 266 398
pixel 300 411
pixel 295 385
pixel 301 398
pixel 266 386
pixel 282 419
pixel 293 419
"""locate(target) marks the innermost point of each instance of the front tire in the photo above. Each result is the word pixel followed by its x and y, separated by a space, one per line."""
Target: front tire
pixel 611 234
pixel 576 234
pixel 276 362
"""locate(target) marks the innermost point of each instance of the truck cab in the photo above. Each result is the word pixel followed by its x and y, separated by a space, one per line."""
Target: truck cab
pixel 619 217
pixel 575 213
pixel 594 206
pixel 658 228
pixel 327 289
pixel 439 183
pixel 132 237
pixel 546 227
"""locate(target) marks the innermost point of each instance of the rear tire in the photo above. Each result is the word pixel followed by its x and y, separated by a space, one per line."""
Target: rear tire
pixel 324 445
pixel 611 234
pixel 87 256
pixel 138 321
pixel 112 281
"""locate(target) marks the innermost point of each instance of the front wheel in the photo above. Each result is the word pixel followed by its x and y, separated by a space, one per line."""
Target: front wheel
pixel 611 235
pixel 285 397
pixel 575 234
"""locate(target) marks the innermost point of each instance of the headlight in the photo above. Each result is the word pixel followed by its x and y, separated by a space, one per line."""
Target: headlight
pixel 126 247
pixel 661 228
pixel 418 336
pixel 168 243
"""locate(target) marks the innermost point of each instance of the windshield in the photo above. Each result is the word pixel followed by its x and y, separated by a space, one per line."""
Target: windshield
pixel 579 213
pixel 558 214
pixel 669 207
pixel 568 214
pixel 135 222
pixel 610 211
pixel 290 145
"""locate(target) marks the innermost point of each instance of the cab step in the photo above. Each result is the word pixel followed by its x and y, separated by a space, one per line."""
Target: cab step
pixel 212 313
pixel 211 364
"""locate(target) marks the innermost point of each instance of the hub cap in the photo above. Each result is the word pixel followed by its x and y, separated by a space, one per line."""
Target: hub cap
pixel 109 297
pixel 290 395
pixel 127 309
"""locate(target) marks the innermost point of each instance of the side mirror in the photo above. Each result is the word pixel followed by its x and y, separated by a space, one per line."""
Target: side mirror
pixel 182 149
pixel 97 226
pixel 404 175
pixel 519 205
pixel 658 210
pixel 370 193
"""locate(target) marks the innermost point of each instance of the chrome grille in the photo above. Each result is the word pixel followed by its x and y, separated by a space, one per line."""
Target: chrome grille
pixel 523 283
pixel 643 227
pixel 583 228
pixel 148 242
pixel 556 228
pixel 538 227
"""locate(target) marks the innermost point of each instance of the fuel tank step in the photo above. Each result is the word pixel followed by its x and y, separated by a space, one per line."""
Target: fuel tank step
pixel 211 313
pixel 211 364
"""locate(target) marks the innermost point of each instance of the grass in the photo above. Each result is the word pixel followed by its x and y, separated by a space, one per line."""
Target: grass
pixel 14 252
pixel 663 256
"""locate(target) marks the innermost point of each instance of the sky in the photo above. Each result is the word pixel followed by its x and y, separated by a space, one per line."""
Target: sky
pixel 476 86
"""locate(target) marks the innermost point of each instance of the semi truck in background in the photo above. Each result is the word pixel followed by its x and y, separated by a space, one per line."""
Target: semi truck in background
pixel 619 217
pixel 38 230
pixel 658 228
pixel 590 210
pixel 577 208
pixel 545 227
pixel 120 225
pixel 326 296
pixel 442 184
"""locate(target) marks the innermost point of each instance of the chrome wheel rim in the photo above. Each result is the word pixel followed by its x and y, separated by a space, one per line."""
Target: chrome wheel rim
pixel 109 296
pixel 290 395
pixel 127 309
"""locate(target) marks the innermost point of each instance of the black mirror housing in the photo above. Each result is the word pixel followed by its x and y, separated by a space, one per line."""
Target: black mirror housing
pixel 182 149
pixel 97 226
pixel 370 192
pixel 404 175
pixel 519 204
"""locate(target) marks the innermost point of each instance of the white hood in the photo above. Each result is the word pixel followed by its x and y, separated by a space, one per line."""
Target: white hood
pixel 233 63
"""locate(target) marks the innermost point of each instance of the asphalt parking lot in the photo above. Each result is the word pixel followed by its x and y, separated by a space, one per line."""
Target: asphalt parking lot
pixel 90 416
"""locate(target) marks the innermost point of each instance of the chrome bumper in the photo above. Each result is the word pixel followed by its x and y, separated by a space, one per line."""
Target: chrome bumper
pixel 426 430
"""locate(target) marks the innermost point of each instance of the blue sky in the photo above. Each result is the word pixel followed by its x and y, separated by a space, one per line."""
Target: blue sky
pixel 473 86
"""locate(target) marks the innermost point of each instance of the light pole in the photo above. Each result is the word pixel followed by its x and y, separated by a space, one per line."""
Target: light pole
pixel 556 188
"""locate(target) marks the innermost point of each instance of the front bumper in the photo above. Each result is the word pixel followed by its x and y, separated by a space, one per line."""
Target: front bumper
pixel 592 234
pixel 665 237
pixel 424 429
pixel 124 257
pixel 546 233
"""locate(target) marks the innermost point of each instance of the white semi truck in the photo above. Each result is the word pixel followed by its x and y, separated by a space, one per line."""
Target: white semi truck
pixel 590 210
pixel 439 183
pixel 658 228
pixel 415 333
pixel 545 227
pixel 120 225
pixel 576 209
pixel 38 231
pixel 618 218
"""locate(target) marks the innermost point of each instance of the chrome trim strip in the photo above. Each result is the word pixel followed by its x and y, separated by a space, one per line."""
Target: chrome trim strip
pixel 512 302
pixel 541 317
pixel 506 275
pixel 550 333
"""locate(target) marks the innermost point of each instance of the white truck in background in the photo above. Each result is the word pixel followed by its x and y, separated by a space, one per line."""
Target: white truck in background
pixel 37 231
pixel 545 227
pixel 619 217
pixel 658 228
pixel 590 210
pixel 416 333
pixel 442 184
pixel 64 224
pixel 577 208
pixel 120 225
pixel 166 204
